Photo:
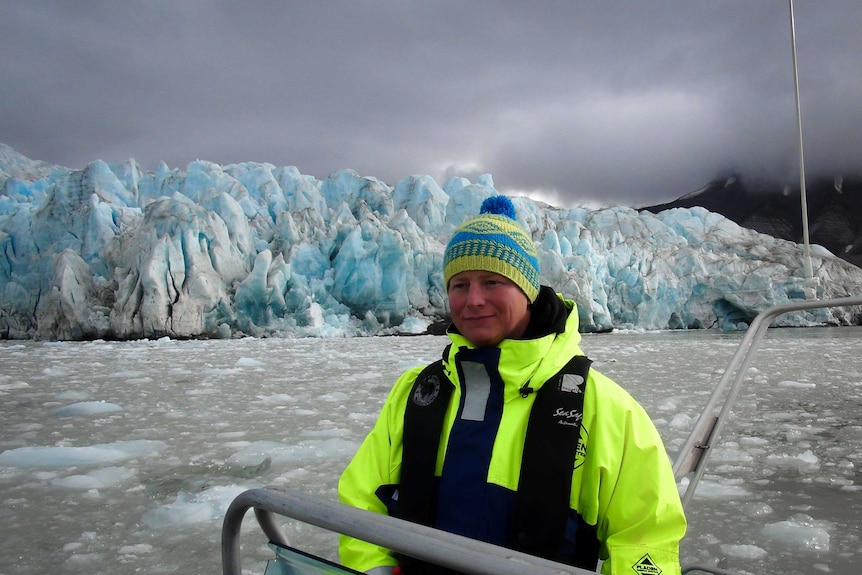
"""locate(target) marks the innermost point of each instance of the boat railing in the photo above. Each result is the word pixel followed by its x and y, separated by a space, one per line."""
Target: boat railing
pixel 424 543
pixel 692 458
pixel 706 569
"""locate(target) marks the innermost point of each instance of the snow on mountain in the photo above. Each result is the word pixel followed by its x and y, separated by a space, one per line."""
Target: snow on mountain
pixel 112 251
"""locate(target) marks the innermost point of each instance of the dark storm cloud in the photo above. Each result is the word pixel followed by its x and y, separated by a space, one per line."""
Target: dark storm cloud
pixel 613 102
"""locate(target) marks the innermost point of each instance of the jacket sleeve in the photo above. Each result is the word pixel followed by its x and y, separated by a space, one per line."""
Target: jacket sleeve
pixel 376 464
pixel 640 517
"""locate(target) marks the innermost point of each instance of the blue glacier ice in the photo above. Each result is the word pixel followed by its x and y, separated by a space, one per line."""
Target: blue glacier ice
pixel 115 252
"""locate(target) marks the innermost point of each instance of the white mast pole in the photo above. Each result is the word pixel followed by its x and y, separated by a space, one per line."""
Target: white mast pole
pixel 802 193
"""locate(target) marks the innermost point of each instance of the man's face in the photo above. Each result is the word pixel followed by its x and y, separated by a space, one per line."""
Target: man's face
pixel 487 307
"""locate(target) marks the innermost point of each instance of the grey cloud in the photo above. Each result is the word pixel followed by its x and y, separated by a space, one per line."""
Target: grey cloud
pixel 613 102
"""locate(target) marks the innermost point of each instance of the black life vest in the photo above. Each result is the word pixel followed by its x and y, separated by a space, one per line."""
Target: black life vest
pixel 542 514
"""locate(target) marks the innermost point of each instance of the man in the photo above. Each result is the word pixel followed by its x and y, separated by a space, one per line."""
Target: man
pixel 534 450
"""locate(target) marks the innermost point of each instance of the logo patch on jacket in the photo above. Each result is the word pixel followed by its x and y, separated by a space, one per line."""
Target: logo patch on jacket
pixel 572 383
pixel 427 391
pixel 581 452
pixel 646 566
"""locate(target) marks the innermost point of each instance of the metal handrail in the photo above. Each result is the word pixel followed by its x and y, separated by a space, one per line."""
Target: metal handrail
pixel 696 451
pixel 705 569
pixel 424 543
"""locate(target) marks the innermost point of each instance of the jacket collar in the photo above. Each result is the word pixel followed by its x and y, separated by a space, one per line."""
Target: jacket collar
pixel 550 341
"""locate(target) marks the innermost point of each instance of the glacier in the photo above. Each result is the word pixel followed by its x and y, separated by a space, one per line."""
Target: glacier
pixel 112 251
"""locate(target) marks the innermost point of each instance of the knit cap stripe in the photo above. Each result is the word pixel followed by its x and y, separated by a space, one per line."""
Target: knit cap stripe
pixel 482 251
pixel 527 282
pixel 495 243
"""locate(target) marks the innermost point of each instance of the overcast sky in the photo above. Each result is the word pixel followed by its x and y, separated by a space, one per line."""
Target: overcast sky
pixel 575 102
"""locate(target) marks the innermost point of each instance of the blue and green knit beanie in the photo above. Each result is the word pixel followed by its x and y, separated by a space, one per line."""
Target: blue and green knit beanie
pixel 494 242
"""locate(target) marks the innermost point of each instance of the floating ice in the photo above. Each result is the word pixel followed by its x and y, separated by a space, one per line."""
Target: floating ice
pixel 59 457
pixel 730 453
pixel 72 395
pixel 297 453
pixel 709 489
pixel 96 479
pixel 796 384
pixel 87 408
pixel 129 551
pixel 414 325
pixel 800 532
pixel 805 461
pixel 744 551
pixel 191 508
pixel 212 437
pixel 680 421
pixel 276 398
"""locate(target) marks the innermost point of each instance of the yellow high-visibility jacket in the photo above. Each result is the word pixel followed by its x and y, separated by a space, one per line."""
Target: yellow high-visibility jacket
pixel 622 484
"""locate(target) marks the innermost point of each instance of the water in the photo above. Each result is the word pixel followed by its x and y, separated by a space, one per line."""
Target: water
pixel 138 482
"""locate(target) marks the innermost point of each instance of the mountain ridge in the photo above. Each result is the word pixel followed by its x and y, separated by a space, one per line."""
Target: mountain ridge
pixel 834 208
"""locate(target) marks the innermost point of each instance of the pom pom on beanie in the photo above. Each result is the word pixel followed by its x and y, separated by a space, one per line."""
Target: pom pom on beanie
pixel 493 241
pixel 500 205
